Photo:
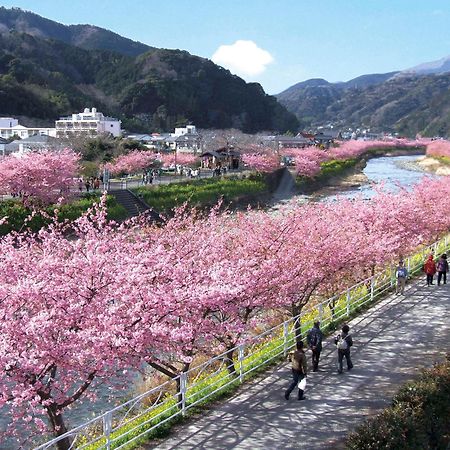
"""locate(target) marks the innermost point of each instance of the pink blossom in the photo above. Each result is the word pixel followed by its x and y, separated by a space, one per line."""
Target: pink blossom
pixel 439 148
pixel 132 162
pixel 41 176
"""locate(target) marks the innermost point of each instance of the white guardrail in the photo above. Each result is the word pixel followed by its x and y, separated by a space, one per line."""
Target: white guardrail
pixel 152 412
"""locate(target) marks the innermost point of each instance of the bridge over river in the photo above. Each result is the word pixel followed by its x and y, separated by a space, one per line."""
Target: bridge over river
pixel 392 341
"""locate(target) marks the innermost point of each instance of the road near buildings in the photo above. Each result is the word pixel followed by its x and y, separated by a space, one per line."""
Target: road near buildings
pixel 392 340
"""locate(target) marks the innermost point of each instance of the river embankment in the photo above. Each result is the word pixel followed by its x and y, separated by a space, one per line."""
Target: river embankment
pixel 432 165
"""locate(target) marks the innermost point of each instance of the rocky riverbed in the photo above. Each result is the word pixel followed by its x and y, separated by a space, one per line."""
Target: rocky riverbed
pixel 432 165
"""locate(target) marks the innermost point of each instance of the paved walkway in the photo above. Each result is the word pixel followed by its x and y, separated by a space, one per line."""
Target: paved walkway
pixel 392 340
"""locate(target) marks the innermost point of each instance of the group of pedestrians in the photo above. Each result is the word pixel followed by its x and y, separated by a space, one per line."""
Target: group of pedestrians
pixel 440 267
pixel 314 338
pixel 343 340
pixel 430 267
pixel 92 183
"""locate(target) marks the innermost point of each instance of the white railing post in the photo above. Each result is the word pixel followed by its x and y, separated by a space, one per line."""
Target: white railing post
pixel 372 288
pixel 183 390
pixel 107 427
pixel 320 308
pixel 391 276
pixel 348 302
pixel 285 337
pixel 241 362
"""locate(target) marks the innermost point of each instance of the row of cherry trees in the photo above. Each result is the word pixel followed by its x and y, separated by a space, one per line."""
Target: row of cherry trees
pixel 78 312
pixel 46 176
pixel 308 160
pixel 139 160
pixel 439 148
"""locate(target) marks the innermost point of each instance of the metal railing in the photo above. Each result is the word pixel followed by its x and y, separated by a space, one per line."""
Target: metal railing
pixel 157 408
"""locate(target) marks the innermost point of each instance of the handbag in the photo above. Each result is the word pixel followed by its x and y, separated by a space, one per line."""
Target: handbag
pixel 302 384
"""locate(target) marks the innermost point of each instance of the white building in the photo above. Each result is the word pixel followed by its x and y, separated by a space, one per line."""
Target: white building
pixel 189 129
pixel 88 123
pixel 10 127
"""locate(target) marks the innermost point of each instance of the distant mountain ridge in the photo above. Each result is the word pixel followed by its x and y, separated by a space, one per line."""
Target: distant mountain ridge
pixel 88 37
pixel 412 101
pixel 434 67
pixel 48 69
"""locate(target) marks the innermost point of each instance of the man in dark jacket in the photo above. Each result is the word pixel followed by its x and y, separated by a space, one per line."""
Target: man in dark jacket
pixel 343 343
pixel 314 339
pixel 299 371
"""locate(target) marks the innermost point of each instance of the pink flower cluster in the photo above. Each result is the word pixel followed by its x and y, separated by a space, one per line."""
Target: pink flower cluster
pixel 261 162
pixel 183 159
pixel 43 176
pixel 78 310
pixel 132 162
pixel 439 148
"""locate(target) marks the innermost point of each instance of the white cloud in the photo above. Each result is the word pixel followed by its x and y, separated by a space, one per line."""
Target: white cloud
pixel 244 58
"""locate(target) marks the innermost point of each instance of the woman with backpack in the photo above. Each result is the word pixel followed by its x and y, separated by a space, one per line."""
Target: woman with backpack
pixel 442 269
pixel 430 269
pixel 343 343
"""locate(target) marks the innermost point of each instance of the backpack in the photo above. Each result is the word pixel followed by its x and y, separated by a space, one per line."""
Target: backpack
pixel 441 266
pixel 401 273
pixel 342 343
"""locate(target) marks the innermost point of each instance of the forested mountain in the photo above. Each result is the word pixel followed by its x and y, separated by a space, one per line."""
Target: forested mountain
pixel 43 78
pixel 404 102
pixel 85 36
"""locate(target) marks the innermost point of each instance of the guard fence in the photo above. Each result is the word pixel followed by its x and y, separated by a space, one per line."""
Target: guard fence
pixel 153 412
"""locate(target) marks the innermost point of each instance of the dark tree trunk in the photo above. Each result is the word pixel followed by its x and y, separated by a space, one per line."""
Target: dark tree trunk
pixel 228 358
pixel 58 426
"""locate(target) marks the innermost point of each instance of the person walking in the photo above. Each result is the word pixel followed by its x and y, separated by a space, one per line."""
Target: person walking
pixel 430 269
pixel 401 273
pixel 299 371
pixel 314 340
pixel 343 342
pixel 442 269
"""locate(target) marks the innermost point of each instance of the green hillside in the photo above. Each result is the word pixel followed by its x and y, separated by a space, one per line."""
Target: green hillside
pixel 407 104
pixel 44 78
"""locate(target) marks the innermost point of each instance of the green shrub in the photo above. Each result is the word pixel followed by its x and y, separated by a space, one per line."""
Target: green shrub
pixel 417 419
pixel 18 214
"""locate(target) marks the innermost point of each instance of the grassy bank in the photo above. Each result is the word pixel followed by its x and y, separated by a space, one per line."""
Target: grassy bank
pixel 329 171
pixel 17 213
pixel 418 418
pixel 200 192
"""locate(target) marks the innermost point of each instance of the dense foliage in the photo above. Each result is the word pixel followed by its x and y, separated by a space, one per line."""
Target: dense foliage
pixel 157 90
pixel 21 217
pixel 418 418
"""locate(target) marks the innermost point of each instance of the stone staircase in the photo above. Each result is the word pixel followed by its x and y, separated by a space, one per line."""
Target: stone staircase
pixel 131 202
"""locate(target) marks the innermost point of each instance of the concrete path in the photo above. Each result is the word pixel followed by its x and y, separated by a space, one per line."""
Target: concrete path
pixel 392 341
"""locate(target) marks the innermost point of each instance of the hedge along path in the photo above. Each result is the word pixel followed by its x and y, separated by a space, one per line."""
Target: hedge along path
pixel 393 339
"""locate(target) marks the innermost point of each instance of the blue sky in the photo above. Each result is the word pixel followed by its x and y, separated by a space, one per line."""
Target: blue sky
pixel 275 42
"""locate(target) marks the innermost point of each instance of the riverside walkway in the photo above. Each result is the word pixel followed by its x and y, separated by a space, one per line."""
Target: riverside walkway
pixel 393 340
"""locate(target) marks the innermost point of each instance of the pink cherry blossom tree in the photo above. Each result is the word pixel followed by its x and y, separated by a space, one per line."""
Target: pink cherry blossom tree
pixel 42 176
pixel 133 162
pixel 261 162
pixel 439 148
pixel 70 309
pixel 184 159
